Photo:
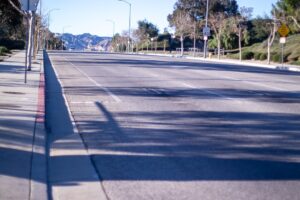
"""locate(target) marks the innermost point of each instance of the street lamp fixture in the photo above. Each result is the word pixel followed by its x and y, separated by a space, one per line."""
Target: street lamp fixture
pixel 129 29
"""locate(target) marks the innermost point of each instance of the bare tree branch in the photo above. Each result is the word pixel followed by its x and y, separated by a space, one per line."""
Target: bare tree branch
pixel 295 21
pixel 17 8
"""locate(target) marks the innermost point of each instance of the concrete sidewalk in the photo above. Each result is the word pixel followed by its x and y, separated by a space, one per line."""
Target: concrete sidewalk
pixel 22 134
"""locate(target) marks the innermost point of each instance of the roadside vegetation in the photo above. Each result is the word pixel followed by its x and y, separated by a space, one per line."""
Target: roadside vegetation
pixel 235 33
pixel 258 52
pixel 13 28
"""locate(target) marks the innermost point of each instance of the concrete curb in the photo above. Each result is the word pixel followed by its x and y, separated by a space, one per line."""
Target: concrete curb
pixel 92 189
pixel 245 63
pixel 38 182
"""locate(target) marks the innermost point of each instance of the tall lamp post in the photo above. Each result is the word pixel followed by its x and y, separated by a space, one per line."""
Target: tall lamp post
pixel 206 24
pixel 62 41
pixel 129 30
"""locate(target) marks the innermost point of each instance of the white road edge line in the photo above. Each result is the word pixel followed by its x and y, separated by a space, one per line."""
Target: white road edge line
pixel 117 99
pixel 94 174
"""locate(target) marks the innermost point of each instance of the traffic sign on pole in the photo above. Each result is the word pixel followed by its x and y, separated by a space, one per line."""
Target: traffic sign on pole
pixel 283 30
pixel 282 40
pixel 206 31
pixel 29 5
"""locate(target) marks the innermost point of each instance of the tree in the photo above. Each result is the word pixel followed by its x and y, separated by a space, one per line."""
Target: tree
pixel 273 27
pixel 258 30
pixel 30 18
pixel 182 22
pixel 145 31
pixel 239 25
pixel 290 10
pixel 196 9
pixel 119 42
pixel 10 20
pixel 220 12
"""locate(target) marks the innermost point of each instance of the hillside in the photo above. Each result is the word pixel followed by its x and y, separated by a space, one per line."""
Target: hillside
pixel 291 50
pixel 86 41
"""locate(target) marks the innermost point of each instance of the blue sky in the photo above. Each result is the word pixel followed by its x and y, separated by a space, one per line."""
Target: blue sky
pixel 90 16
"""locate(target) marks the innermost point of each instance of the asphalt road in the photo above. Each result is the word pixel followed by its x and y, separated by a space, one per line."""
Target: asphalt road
pixel 169 128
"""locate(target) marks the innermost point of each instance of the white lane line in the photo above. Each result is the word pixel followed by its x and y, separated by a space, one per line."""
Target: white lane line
pixel 117 99
pixel 189 86
pixel 210 92
pixel 82 102
pixel 253 83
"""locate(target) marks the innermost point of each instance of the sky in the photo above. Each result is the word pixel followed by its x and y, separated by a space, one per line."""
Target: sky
pixel 96 16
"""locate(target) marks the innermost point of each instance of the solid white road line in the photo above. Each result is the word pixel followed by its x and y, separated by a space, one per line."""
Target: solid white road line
pixel 117 99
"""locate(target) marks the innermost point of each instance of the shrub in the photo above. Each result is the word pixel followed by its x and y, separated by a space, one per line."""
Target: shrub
pixel 263 56
pixel 292 57
pixel 286 56
pixel 3 50
pixel 276 57
pixel 232 56
pixel 12 44
pixel 247 55
pixel 257 55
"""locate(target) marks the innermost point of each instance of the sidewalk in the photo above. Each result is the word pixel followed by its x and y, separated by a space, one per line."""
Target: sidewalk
pixel 22 133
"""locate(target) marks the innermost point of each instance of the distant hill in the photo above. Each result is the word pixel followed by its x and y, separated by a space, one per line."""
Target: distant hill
pixel 86 41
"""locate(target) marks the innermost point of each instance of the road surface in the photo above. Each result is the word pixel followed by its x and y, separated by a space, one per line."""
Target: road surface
pixel 170 128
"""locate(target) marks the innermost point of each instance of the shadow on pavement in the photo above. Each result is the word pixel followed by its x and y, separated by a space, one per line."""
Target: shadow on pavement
pixel 179 63
pixel 176 145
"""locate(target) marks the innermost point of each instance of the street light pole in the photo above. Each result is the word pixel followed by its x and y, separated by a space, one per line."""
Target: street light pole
pixel 129 30
pixel 206 24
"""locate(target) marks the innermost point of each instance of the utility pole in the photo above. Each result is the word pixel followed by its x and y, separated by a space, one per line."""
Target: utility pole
pixel 206 27
pixel 129 29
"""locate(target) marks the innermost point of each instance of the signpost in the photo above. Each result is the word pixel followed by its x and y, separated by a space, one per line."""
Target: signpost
pixel 29 6
pixel 283 31
pixel 206 34
pixel 206 31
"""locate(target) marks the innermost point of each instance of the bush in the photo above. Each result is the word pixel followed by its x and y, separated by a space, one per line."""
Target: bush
pixel 257 55
pixel 232 56
pixel 276 57
pixel 247 55
pixel 3 50
pixel 263 56
pixel 12 44
pixel 292 57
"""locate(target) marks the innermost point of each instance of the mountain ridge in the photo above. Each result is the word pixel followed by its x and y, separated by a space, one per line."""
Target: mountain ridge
pixel 85 41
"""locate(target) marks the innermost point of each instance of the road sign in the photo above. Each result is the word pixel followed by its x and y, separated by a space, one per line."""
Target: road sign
pixel 282 40
pixel 206 31
pixel 29 5
pixel 283 30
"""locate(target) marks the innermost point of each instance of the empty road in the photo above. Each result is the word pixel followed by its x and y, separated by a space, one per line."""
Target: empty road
pixel 171 128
